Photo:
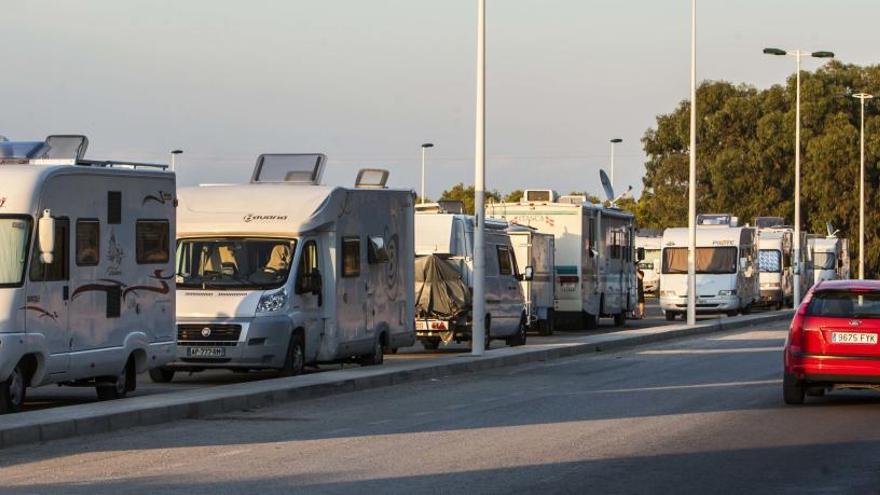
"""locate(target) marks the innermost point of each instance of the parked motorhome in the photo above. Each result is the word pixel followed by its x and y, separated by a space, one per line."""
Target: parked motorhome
pixel 775 266
pixel 726 268
pixel 449 239
pixel 595 266
pixel 86 269
pixel 829 258
pixel 650 264
pixel 537 250
pixel 282 271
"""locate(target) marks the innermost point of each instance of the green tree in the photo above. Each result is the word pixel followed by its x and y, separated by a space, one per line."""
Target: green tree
pixel 514 196
pixel 466 195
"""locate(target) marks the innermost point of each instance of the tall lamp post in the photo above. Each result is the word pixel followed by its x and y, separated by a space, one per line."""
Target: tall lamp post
pixel 797 54
pixel 174 154
pixel 424 148
pixel 478 319
pixel 613 142
pixel 692 180
pixel 862 97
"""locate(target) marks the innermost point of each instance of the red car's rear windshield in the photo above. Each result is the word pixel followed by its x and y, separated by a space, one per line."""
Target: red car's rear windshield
pixel 845 304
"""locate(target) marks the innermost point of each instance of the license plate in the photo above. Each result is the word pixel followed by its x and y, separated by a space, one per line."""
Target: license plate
pixel 421 325
pixel 206 352
pixel 853 338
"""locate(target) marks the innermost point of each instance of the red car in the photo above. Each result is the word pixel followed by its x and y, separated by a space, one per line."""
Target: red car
pixel 832 342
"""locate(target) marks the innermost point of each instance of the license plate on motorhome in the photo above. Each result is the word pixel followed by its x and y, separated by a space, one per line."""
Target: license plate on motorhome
pixel 853 338
pixel 206 352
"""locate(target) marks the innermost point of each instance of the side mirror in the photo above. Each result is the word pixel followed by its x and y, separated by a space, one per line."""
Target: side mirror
pixel 46 227
pixel 527 274
pixel 640 254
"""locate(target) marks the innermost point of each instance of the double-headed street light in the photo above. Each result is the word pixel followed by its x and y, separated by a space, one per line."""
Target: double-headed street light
pixel 613 142
pixel 862 97
pixel 797 54
pixel 424 148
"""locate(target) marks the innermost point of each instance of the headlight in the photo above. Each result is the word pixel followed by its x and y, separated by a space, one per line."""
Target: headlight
pixel 272 302
pixel 731 292
pixel 667 293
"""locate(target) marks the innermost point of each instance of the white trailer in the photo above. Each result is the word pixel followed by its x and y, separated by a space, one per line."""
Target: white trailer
pixel 650 264
pixel 451 236
pixel 829 258
pixel 86 269
pixel 537 250
pixel 283 272
pixel 726 269
pixel 595 266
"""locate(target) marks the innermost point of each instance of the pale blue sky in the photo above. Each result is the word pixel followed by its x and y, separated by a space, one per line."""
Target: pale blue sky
pixel 367 81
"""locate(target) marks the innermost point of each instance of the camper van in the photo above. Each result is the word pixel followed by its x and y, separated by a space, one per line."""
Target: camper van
pixel 444 244
pixel 775 266
pixel 86 269
pixel 283 271
pixel 595 266
pixel 726 268
pixel 829 257
pixel 537 250
pixel 650 264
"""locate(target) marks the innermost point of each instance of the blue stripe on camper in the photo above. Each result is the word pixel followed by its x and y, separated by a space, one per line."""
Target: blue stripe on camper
pixel 566 270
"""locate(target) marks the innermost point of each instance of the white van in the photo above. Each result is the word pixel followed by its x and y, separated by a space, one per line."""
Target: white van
pixel 284 272
pixel 86 269
pixel 829 257
pixel 650 263
pixel 450 236
pixel 595 265
pixel 726 268
pixel 538 251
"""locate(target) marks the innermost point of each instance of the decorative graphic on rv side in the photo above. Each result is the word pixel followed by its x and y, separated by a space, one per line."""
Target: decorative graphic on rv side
pixel 42 312
pixel 109 284
pixel 2 202
pixel 161 197
pixel 391 267
pixel 162 289
pixel 115 255
pixel 250 217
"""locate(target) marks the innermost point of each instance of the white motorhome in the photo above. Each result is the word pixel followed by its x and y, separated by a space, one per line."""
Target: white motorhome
pixel 537 250
pixel 86 269
pixel 451 237
pixel 595 266
pixel 726 268
pixel 829 257
pixel 775 266
pixel 650 264
pixel 283 272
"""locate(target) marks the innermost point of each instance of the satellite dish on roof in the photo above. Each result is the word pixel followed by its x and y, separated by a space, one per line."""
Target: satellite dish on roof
pixel 832 232
pixel 606 185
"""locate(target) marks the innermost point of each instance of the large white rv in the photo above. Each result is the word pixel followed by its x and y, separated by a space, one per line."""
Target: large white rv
pixel 726 268
pixel 450 237
pixel 595 266
pixel 829 257
pixel 537 250
pixel 283 272
pixel 650 264
pixel 775 266
pixel 86 269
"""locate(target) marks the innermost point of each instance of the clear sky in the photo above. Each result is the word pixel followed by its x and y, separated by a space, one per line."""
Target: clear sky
pixel 367 81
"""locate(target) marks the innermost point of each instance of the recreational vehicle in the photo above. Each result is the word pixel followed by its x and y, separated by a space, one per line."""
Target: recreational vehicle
pixel 86 269
pixel 650 264
pixel 444 246
pixel 282 271
pixel 829 257
pixel 726 268
pixel 537 250
pixel 595 266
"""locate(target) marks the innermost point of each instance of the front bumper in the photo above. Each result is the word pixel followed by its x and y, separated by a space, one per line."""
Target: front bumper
pixel 261 343
pixel 705 305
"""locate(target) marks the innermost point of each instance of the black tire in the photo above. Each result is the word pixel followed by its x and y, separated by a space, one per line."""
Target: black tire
pixel 747 310
pixel 521 334
pixel 590 322
pixel 295 360
pixel 377 357
pixel 793 390
pixel 732 313
pixel 620 319
pixel 161 375
pixel 120 386
pixel 551 321
pixel 431 344
pixel 13 391
pixel 779 306
pixel 670 316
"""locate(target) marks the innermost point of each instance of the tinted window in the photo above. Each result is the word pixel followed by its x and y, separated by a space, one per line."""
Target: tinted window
pixel 351 257
pixel 825 261
pixel 59 268
pixel 845 304
pixel 769 261
pixel 88 234
pixel 710 260
pixel 504 265
pixel 152 241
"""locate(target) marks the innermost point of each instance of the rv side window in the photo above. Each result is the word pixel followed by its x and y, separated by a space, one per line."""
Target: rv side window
pixel 351 256
pixel 88 240
pixel 376 251
pixel 615 245
pixel 114 207
pixel 591 237
pixel 59 268
pixel 504 264
pixel 152 243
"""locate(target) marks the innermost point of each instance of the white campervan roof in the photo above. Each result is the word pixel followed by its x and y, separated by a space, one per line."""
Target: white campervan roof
pixel 707 236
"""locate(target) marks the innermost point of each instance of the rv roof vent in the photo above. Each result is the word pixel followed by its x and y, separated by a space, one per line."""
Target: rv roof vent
pixel 725 219
pixel 371 178
pixel 539 196
pixel 297 168
pixel 70 146
pixel 21 150
pixel 573 199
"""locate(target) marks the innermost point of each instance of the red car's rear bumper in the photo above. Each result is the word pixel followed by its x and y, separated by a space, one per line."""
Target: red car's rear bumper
pixel 819 368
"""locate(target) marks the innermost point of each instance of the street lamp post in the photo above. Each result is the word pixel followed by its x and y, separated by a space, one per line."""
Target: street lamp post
pixel 862 97
pixel 613 142
pixel 424 148
pixel 478 319
pixel 692 179
pixel 797 54
pixel 174 154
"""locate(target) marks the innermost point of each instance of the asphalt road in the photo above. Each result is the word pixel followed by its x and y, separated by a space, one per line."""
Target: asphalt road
pixel 702 415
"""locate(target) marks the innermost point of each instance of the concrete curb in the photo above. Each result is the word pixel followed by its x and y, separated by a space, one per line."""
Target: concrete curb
pixel 101 417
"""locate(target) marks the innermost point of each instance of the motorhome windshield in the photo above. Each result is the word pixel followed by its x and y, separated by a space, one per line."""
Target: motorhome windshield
pixel 770 261
pixel 14 242
pixel 824 261
pixel 234 263
pixel 710 260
